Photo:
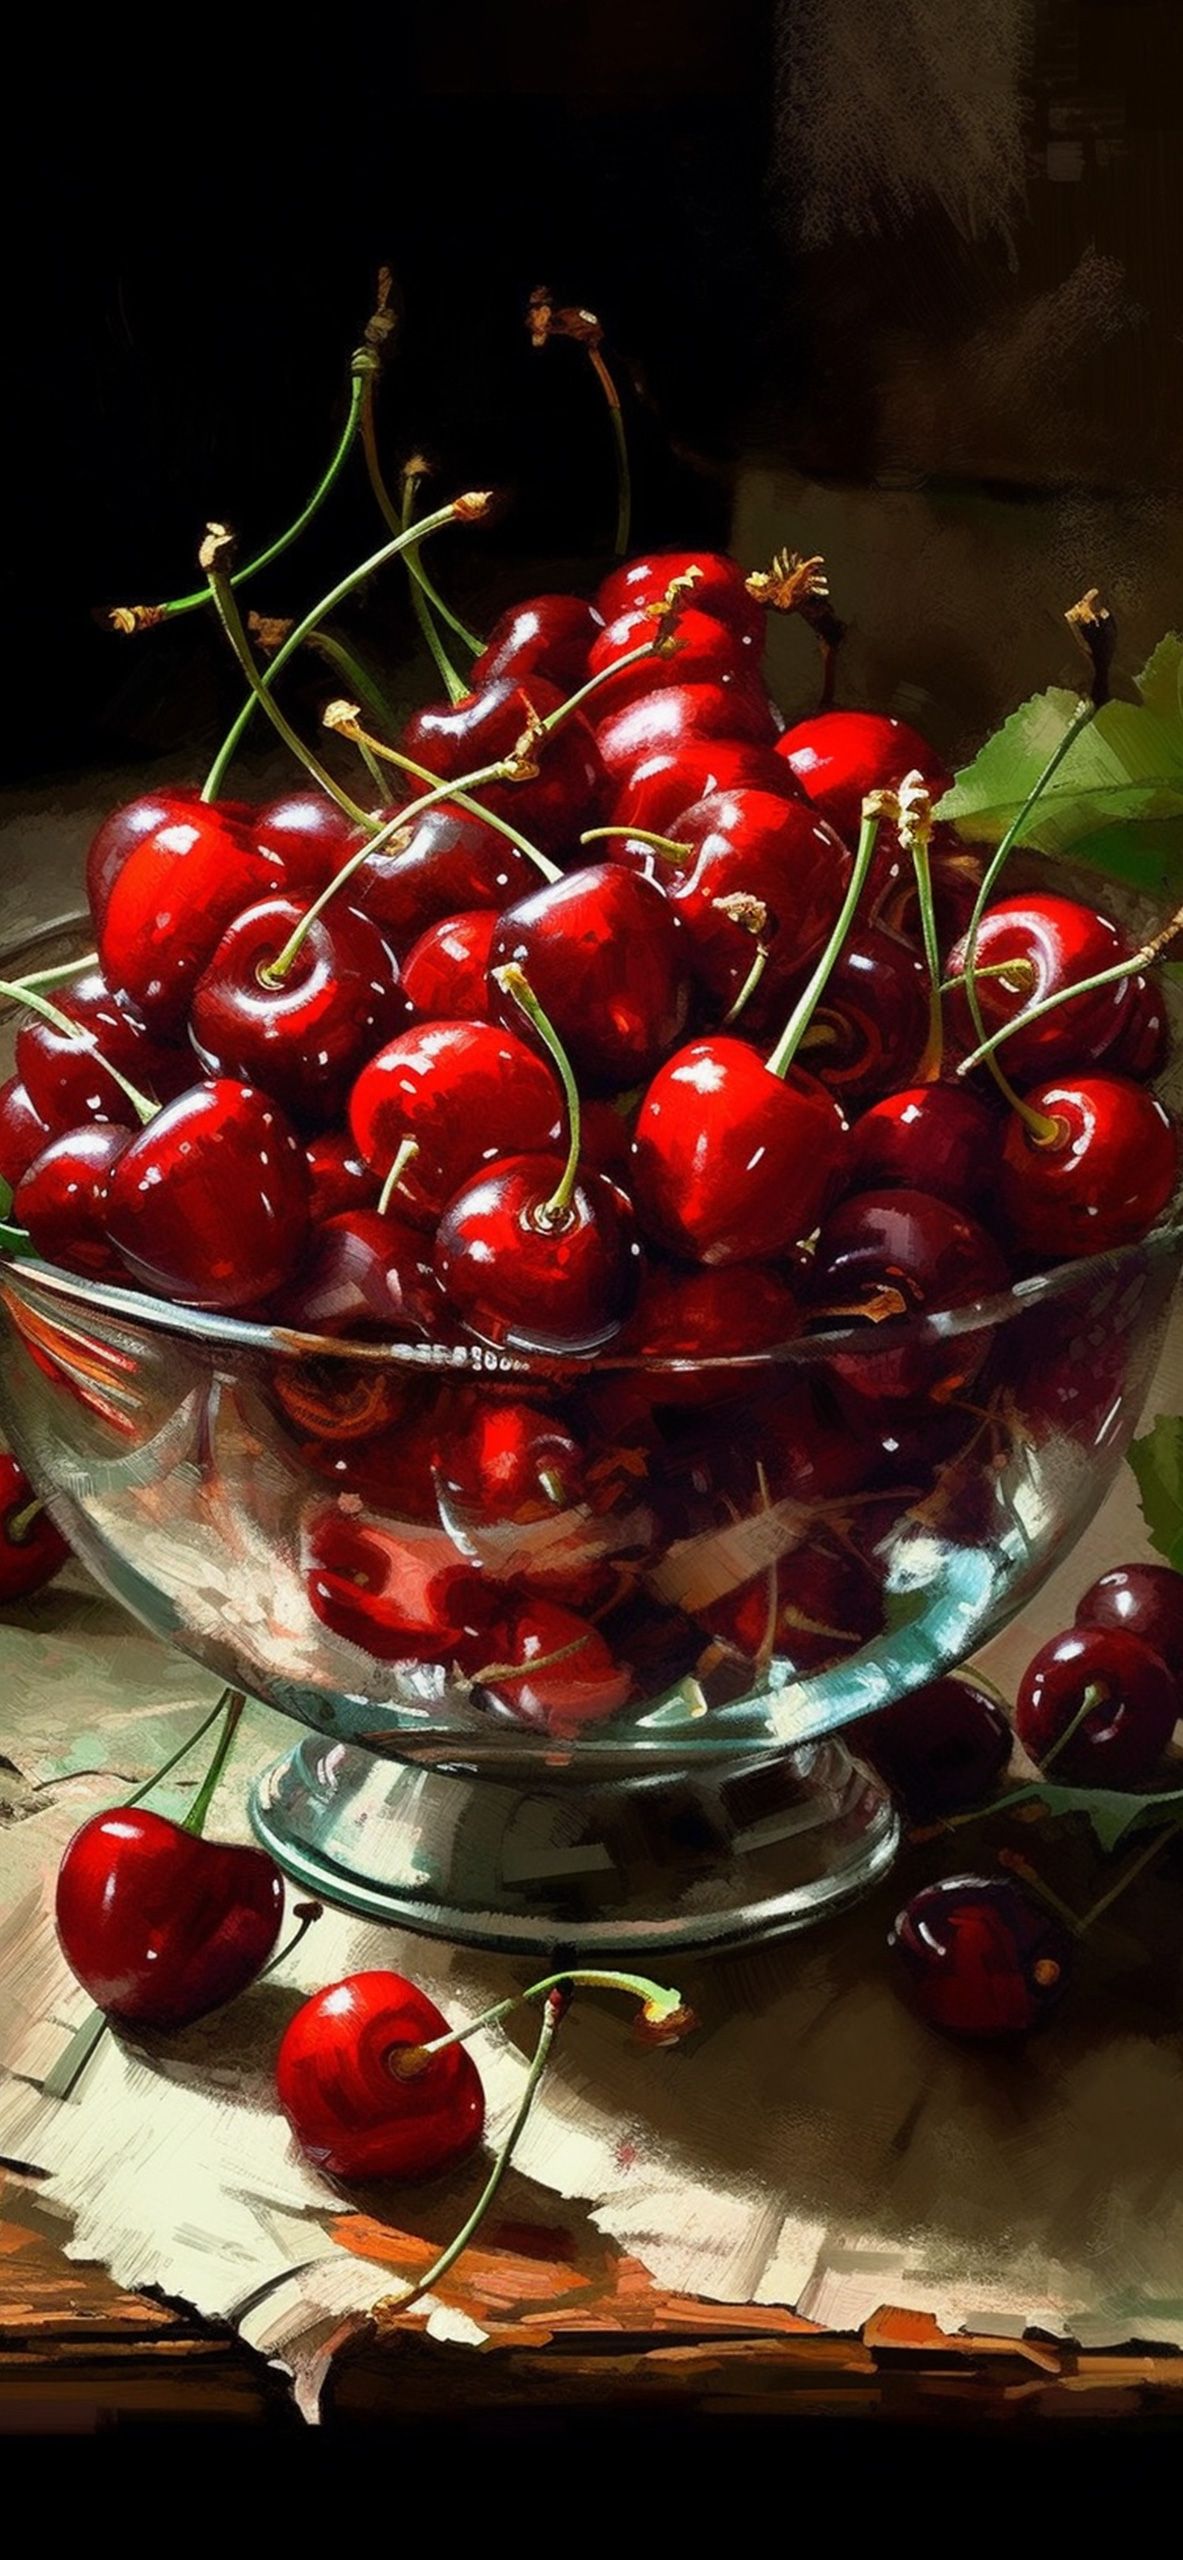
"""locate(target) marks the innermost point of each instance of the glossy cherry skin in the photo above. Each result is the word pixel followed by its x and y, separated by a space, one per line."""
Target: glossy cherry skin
pixel 209 1203
pixel 547 636
pixel 939 1748
pixel 708 652
pixel 67 1080
pixel 1143 1600
pixel 445 974
pixel 30 1559
pixel 447 863
pixel 955 870
pixel 123 829
pixel 169 907
pixel 1108 1176
pixel 62 1200
pixel 348 2107
pixel 704 1317
pixel 754 844
pixel 588 1686
pixel 938 1138
pixel 518 1278
pixel 159 1926
pixel 1121 1739
pixel 886 1254
pixel 979 1958
pixel 396 1589
pixel 664 721
pixel 338 1177
pixel 453 739
pixel 23 1132
pixel 304 1040
pixel 659 789
pixel 719 588
pixel 306 837
pixel 467 1092
pixel 824 1606
pixel 730 1163
pixel 513 1462
pixel 869 1030
pixel 363 1274
pixel 1060 941
pixel 1143 1042
pixel 839 756
pixel 604 955
pixel 607 1140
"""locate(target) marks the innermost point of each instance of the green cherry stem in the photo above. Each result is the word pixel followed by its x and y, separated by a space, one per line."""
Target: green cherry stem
pixel 1094 1696
pixel 390 515
pixel 667 846
pixel 349 728
pixel 406 1155
pixel 1144 958
pixel 351 671
pixel 213 555
pixel 19 991
pixel 932 1060
pixel 663 2018
pixel 64 972
pixel 799 1020
pixel 1017 974
pixel 514 982
pixel 195 1820
pixel 181 1753
pixel 624 477
pixel 1086 712
pixel 658 647
pixel 276 970
pixel 19 1524
pixel 455 685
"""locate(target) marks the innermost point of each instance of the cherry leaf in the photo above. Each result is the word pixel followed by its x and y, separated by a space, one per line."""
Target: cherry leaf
pixel 1112 1811
pixel 1157 1461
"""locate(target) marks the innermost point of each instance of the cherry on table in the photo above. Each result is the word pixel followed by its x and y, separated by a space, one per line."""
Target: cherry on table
pixel 445 974
pixel 838 757
pixel 663 786
pixel 1099 1705
pixel 467 1093
pixel 548 635
pixel 32 1550
pixel 1144 1600
pixel 1100 1179
pixel 731 1163
pixel 1051 943
pixel 160 1925
pixel 940 1748
pixel 209 1202
pixel 340 2088
pixel 978 1958
pixel 605 957
pixel 62 1200
pixel 937 1138
pixel 303 1037
pixel 534 1274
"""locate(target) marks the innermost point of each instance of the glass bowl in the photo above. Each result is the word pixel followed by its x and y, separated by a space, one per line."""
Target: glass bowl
pixel 370 1536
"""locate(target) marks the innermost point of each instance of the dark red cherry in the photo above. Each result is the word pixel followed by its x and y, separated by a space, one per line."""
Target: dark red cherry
pixel 513 1462
pixel 445 974
pixel 161 1926
pixel 397 1590
pixel 839 756
pixel 939 1748
pixel 122 829
pixel 887 1254
pixel 604 954
pixel 677 716
pixel 755 845
pixel 344 2098
pixel 1143 1042
pixel 708 652
pixel 466 1092
pixel 1100 1704
pixel 1144 1600
pixel 663 786
pixel 338 1177
pixel 719 588
pixel 545 636
pixel 585 1686
pixel 869 1028
pixel 23 1132
pixel 390 1476
pixel 730 1163
pixel 453 739
pixel 706 1322
pixel 956 872
pixel 304 1039
pixel 62 1200
pixel 534 1280
pixel 306 837
pixel 606 1143
pixel 169 907
pixel 809 1608
pixel 446 863
pixel 66 1079
pixel 363 1274
pixel 1053 942
pixel 209 1203
pixel 1103 1180
pixel 978 1958
pixel 938 1138
pixel 32 1550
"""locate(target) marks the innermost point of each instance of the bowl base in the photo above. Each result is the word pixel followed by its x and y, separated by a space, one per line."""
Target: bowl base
pixel 746 1851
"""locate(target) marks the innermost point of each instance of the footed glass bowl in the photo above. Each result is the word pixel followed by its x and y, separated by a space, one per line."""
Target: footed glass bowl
pixel 577 1643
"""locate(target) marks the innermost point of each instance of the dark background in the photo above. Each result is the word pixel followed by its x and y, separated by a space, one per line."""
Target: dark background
pixel 193 238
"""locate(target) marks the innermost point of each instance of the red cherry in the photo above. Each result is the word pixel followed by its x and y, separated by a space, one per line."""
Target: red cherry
pixel 363 1274
pixel 161 1926
pixel 1056 941
pixel 675 716
pixel 67 1080
pixel 31 1551
pixel 513 1462
pixel 662 787
pixel 544 636
pixel 939 1748
pixel 719 588
pixel 730 1163
pixel 810 1609
pixel 446 864
pixel 209 1203
pixel 446 972
pixel 956 872
pixel 607 1141
pixel 394 1588
pixel 756 845
pixel 338 1177
pixel 169 907
pixel 937 1138
pixel 869 1029
pixel 122 830
pixel 701 1316
pixel 1119 1738
pixel 1143 1042
pixel 1103 1180
pixel 1143 1600
pixel 708 652
pixel 23 1132
pixel 587 1686
pixel 839 756
pixel 453 739
pixel 884 1254
pixel 343 2097
pixel 466 1092
pixel 980 1959
pixel 304 1039
pixel 536 1281
pixel 604 955
pixel 62 1200
pixel 306 837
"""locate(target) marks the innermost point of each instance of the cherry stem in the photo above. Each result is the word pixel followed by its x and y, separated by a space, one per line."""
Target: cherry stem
pixel 799 1020
pixel 503 1671
pixel 307 1914
pixel 750 984
pixel 357 677
pixel 182 1752
pixel 665 845
pixel 660 2007
pixel 514 982
pixel 406 1155
pixel 17 1523
pixel 1135 1868
pixel 1094 1696
pixel 389 512
pixel 1086 712
pixel 1017 974
pixel 551 2019
pixel 932 1060
pixel 276 970
pixel 406 764
pixel 455 686
pixel 213 552
pixel 658 647
pixel 1143 958
pixel 141 617
pixel 194 1822
pixel 624 478
pixel 64 972
pixel 465 510
pixel 19 992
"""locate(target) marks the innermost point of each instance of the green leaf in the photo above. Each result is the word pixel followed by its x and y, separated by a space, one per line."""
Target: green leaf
pixel 15 1242
pixel 1112 1813
pixel 1157 1461
pixel 5 1197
